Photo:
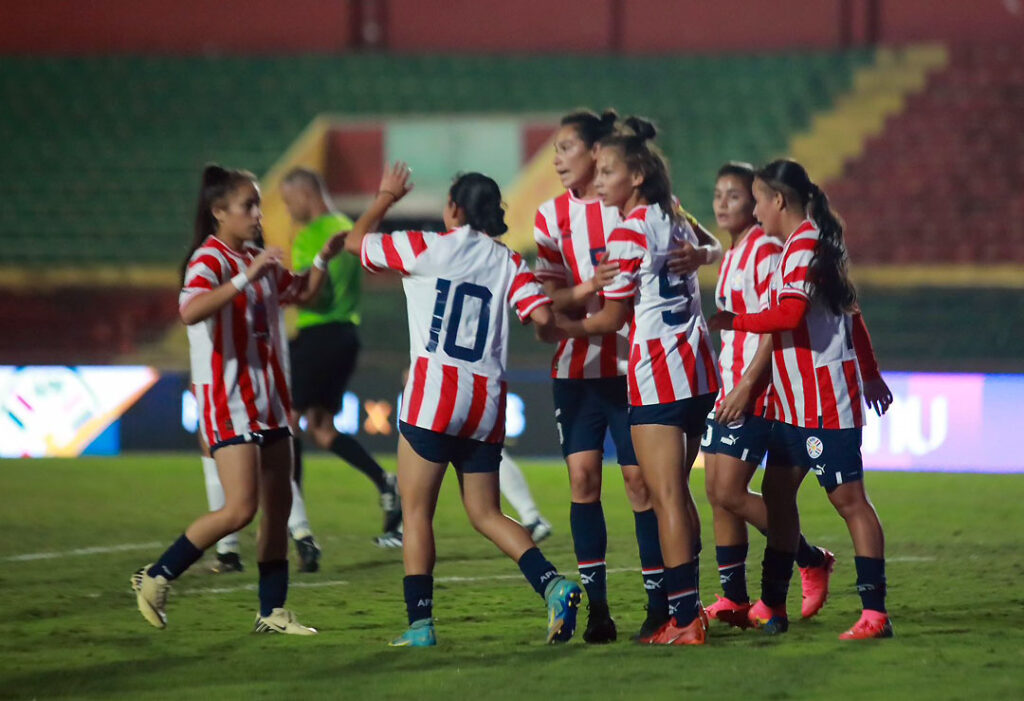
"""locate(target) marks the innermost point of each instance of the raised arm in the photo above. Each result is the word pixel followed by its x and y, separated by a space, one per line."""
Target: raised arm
pixel 394 185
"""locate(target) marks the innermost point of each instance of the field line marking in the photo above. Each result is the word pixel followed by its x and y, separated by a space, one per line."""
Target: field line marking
pixel 97 550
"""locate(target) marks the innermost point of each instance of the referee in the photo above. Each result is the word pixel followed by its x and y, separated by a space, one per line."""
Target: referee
pixel 323 354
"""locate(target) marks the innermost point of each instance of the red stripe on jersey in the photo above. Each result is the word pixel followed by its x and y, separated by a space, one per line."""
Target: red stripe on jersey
pixel 207 416
pixel 689 362
pixel 564 227
pixel 579 357
pixel 419 381
pixel 518 281
pixel 829 411
pixel 220 396
pixel 367 263
pixel 634 388
pixel 805 366
pixel 516 258
pixel 765 250
pixel 542 224
pixel 549 255
pixel 476 406
pixel 200 282
pixel 628 236
pixel 639 212
pixel 449 393
pixel 659 368
pixel 263 351
pixel 630 266
pixel 497 434
pixel 417 242
pixel 558 355
pixel 708 358
pixel 779 361
pixel 595 225
pixel 240 335
pixel 391 255
pixel 853 387
pixel 211 262
pixel 609 355
pixel 526 306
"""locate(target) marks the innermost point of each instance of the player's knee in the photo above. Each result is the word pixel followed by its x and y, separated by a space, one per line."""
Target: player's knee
pixel 238 515
pixel 850 504
pixel 636 491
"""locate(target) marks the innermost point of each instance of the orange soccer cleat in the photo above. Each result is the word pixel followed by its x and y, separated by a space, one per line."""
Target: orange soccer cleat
pixel 670 634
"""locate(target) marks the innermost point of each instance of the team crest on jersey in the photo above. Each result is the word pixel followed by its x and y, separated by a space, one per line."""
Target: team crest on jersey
pixel 814 447
pixel 736 281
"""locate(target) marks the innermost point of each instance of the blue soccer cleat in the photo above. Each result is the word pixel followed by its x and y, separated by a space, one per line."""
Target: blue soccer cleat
pixel 563 597
pixel 419 634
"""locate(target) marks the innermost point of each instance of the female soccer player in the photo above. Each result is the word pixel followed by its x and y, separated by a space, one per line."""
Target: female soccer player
pixel 733 452
pixel 589 374
pixel 457 284
pixel 816 387
pixel 672 372
pixel 229 300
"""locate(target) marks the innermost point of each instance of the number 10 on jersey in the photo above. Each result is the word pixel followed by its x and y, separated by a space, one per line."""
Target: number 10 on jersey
pixel 454 315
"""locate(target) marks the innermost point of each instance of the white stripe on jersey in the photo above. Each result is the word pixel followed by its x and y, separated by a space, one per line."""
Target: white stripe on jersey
pixel 815 376
pixel 237 354
pixel 457 285
pixel 670 356
pixel 571 235
pixel 742 288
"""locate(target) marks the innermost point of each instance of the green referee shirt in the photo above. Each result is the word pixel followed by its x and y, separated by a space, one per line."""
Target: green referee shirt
pixel 338 300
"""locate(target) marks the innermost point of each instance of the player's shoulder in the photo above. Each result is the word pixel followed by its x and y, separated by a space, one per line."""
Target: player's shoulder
pixel 210 250
pixel 761 242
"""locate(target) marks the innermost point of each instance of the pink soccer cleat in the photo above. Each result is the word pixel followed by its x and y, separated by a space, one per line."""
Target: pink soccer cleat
pixel 872 624
pixel 814 583
pixel 728 611
pixel 772 620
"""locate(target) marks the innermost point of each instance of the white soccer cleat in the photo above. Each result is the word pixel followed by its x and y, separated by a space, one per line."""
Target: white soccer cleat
pixel 539 529
pixel 151 596
pixel 281 621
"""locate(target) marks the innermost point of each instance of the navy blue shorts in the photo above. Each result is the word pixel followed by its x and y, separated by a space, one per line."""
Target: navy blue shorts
pixel 746 439
pixel 586 409
pixel 833 454
pixel 260 438
pixel 688 414
pixel 465 454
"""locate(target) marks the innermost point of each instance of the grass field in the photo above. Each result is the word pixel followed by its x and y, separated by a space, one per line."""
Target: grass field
pixel 69 627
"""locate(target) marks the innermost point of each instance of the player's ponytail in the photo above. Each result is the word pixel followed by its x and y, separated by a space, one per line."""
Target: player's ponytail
pixel 828 274
pixel 215 184
pixel 480 198
pixel 633 142
pixel 590 126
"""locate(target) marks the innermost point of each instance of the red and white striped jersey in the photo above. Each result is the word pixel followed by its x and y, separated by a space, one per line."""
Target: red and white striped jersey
pixel 670 348
pixel 238 357
pixel 816 380
pixel 742 288
pixel 457 284
pixel 571 236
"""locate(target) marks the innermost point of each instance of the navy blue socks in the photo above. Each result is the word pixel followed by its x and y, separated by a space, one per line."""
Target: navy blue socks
pixel 776 571
pixel 683 593
pixel 652 567
pixel 590 539
pixel 871 582
pixel 273 585
pixel 419 596
pixel 732 571
pixel 176 559
pixel 807 555
pixel 537 570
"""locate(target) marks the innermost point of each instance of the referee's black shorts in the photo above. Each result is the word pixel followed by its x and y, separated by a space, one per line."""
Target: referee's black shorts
pixel 323 359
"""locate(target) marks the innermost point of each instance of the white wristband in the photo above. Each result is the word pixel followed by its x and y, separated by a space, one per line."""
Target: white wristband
pixel 319 262
pixel 240 281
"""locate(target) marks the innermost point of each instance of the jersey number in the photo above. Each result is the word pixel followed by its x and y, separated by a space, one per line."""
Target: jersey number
pixel 451 334
pixel 671 290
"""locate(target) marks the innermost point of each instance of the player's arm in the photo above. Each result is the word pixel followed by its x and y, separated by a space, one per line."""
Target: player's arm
pixel 784 316
pixel 876 392
pixel 575 298
pixel 612 317
pixel 203 305
pixel 754 381
pixel 309 283
pixel 545 326
pixel 394 185
pixel 687 258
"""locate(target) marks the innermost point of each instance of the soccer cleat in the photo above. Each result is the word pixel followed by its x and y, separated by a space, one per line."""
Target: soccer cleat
pixel 281 621
pixel 563 598
pixel 872 624
pixel 654 621
pixel 227 562
pixel 309 553
pixel 391 539
pixel 391 504
pixel 151 596
pixel 772 620
pixel 539 529
pixel 420 634
pixel 814 583
pixel 600 624
pixel 728 611
pixel 694 633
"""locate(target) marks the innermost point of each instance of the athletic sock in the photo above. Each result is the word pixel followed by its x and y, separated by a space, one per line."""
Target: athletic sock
pixel 419 596
pixel 215 499
pixel 590 539
pixel 776 571
pixel 732 571
pixel 348 449
pixel 652 567
pixel 807 555
pixel 871 582
pixel 683 593
pixel 537 570
pixel 298 520
pixel 297 473
pixel 176 559
pixel 273 585
pixel 514 488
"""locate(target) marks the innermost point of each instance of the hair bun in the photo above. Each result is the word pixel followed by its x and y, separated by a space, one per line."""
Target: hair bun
pixel 214 173
pixel 643 128
pixel 609 117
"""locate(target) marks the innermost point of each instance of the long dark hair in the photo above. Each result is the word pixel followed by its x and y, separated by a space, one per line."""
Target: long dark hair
pixel 829 272
pixel 645 158
pixel 480 198
pixel 591 126
pixel 217 183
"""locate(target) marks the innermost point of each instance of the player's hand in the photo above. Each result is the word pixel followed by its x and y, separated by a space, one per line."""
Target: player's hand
pixel 395 181
pixel 877 395
pixel 734 406
pixel 604 273
pixel 334 245
pixel 686 259
pixel 266 259
pixel 722 321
